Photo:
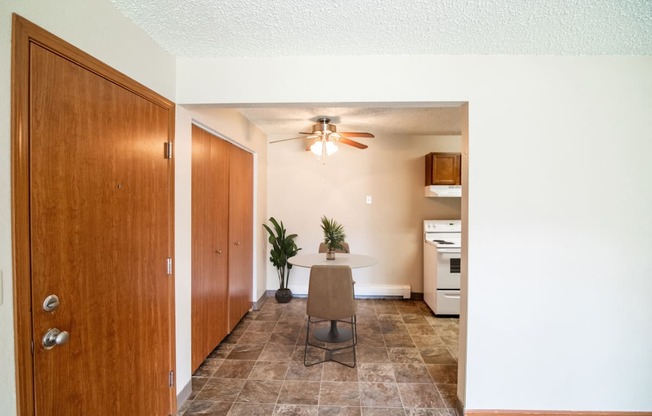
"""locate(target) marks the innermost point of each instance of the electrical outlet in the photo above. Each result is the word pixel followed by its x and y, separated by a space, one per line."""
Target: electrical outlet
pixel 369 199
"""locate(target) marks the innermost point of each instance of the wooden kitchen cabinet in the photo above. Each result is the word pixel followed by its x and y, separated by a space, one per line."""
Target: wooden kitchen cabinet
pixel 443 169
pixel 222 240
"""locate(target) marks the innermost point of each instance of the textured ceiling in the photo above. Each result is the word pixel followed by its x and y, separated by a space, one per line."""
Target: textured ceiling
pixel 264 28
pixel 380 27
pixel 287 122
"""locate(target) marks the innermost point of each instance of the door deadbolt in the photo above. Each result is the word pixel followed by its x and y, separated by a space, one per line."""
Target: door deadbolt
pixel 51 303
pixel 54 337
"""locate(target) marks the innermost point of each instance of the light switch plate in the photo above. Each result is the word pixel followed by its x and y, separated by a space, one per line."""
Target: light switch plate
pixel 369 199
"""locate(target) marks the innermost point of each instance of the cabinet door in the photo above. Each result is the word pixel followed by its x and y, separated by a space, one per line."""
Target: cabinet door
pixel 443 169
pixel 210 182
pixel 240 234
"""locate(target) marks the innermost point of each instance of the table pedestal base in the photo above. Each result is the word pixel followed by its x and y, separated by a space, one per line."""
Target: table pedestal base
pixel 333 334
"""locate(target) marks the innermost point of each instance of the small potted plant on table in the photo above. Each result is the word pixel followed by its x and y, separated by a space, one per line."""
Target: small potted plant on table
pixel 334 236
pixel 283 248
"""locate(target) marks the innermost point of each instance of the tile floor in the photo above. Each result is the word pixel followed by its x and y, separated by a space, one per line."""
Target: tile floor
pixel 406 365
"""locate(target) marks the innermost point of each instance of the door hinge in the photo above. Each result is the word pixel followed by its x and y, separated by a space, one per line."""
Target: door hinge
pixel 169 265
pixel 168 150
pixel 171 378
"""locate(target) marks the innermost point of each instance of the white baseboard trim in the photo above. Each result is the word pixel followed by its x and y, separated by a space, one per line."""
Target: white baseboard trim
pixel 364 290
pixel 184 394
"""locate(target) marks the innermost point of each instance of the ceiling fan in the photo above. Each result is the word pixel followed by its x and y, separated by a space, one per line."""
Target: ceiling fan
pixel 324 138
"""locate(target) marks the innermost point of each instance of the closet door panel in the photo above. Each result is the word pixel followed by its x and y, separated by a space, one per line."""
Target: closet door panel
pixel 220 151
pixel 210 164
pixel 240 234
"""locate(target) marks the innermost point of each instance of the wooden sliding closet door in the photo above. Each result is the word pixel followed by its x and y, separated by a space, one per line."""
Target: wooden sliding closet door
pixel 210 221
pixel 222 240
pixel 240 234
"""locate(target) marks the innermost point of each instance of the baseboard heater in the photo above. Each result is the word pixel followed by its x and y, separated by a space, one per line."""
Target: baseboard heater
pixel 366 290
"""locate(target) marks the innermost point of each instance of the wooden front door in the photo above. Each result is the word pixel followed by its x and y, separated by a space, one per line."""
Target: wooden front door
pixel 100 235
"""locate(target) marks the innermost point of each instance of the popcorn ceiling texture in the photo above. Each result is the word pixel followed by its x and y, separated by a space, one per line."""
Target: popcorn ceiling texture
pixel 263 28
pixel 287 121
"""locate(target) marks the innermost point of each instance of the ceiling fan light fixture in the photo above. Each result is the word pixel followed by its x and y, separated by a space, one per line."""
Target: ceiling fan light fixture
pixel 330 148
pixel 318 147
pixel 324 138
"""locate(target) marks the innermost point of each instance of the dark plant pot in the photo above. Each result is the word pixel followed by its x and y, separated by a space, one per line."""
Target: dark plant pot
pixel 283 295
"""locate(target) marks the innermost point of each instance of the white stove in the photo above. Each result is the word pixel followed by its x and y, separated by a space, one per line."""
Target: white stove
pixel 442 252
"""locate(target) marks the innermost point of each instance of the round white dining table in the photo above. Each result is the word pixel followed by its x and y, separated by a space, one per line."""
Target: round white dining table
pixel 354 261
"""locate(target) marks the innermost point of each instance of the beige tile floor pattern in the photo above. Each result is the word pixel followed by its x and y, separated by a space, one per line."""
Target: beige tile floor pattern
pixel 406 365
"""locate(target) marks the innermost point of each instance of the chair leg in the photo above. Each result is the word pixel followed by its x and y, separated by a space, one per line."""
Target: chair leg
pixel 307 343
pixel 354 341
pixel 354 329
pixel 305 348
pixel 330 351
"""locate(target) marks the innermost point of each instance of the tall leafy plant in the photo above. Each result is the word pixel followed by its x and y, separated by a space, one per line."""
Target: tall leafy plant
pixel 334 234
pixel 283 248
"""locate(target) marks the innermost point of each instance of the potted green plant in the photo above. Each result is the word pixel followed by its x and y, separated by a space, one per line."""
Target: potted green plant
pixel 283 248
pixel 334 236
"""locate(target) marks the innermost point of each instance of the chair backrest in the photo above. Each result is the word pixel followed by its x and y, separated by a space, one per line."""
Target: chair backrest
pixel 330 292
pixel 323 248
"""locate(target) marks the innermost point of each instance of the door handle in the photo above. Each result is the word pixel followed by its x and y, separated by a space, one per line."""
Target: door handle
pixel 237 243
pixel 218 251
pixel 54 337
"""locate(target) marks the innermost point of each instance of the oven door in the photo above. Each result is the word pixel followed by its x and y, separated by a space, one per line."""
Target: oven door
pixel 448 302
pixel 448 269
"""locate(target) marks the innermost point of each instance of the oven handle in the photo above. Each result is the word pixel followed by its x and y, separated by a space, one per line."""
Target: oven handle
pixel 449 251
pixel 451 296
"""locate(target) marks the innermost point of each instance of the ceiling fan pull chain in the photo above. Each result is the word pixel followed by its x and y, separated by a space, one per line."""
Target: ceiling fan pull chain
pixel 323 148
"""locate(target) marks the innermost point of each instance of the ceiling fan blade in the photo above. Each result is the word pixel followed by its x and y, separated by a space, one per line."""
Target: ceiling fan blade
pixel 356 134
pixel 285 140
pixel 344 140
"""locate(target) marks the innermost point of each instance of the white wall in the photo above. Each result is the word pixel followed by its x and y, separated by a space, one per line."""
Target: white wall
pixel 391 171
pixel 97 28
pixel 464 276
pixel 232 126
pixel 559 202
pixel 183 245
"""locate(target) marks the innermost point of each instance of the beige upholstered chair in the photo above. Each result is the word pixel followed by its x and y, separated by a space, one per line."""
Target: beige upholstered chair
pixel 331 298
pixel 323 248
